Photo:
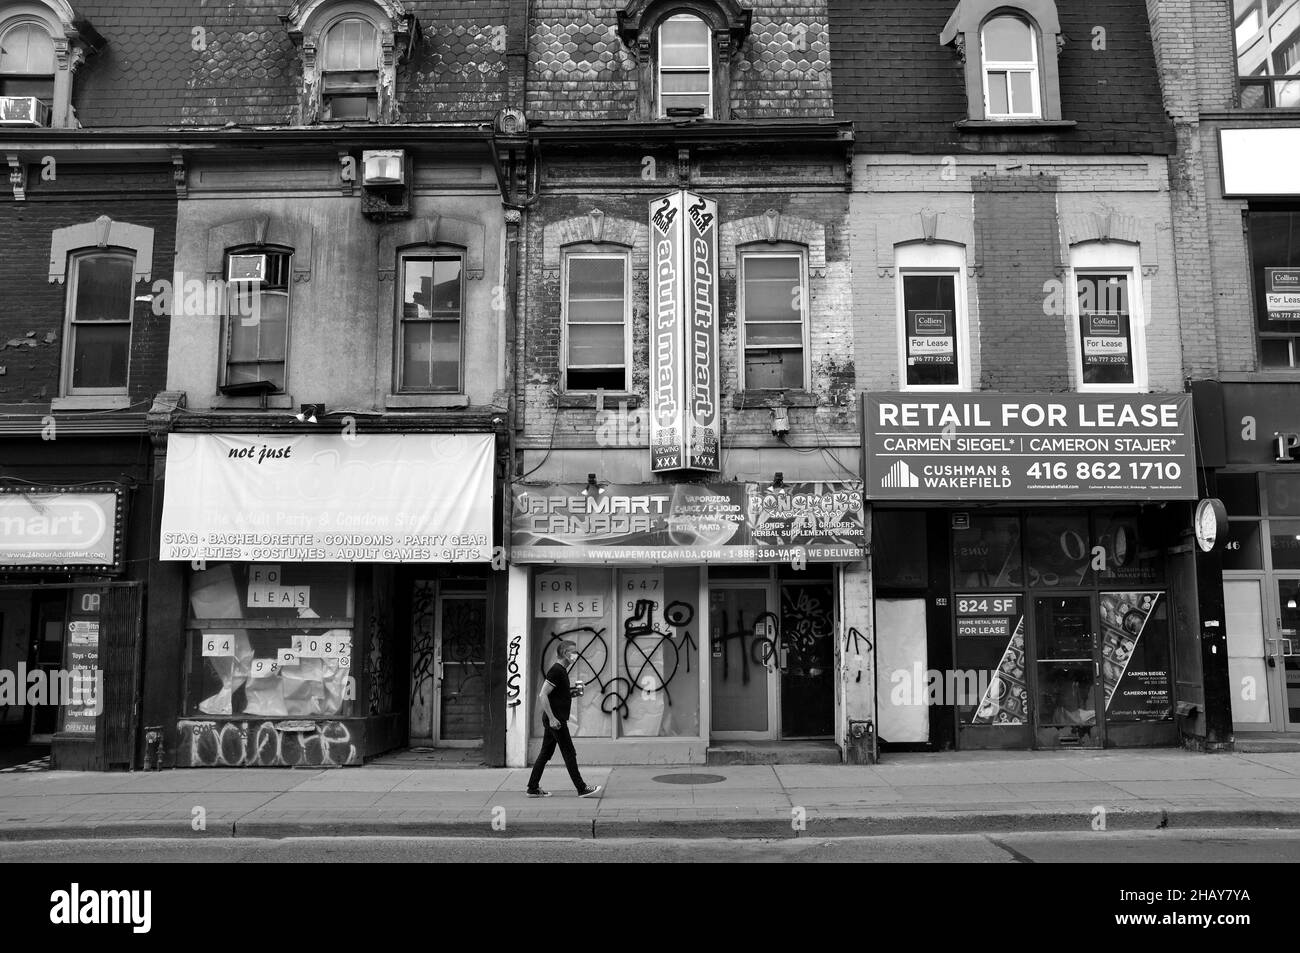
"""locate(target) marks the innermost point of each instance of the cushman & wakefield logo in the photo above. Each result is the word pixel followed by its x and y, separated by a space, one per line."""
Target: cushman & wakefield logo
pixel 76 906
pixel 56 524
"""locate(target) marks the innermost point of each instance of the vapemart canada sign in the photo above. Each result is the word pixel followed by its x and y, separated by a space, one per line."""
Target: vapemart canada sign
pixel 51 528
pixel 684 417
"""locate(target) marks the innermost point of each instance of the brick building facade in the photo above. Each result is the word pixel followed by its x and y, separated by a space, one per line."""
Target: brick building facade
pixel 1228 75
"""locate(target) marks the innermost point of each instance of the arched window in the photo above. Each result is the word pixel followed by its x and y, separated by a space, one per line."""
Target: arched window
pixel 350 77
pixel 27 62
pixel 1009 50
pixel 685 68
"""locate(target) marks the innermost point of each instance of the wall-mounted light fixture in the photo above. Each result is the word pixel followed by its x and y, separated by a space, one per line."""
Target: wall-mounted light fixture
pixel 592 488
pixel 307 413
pixel 778 480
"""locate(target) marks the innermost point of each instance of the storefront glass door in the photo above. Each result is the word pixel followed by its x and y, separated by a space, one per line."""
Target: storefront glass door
pixel 49 625
pixel 1251 677
pixel 1284 651
pixel 1069 709
pixel 744 662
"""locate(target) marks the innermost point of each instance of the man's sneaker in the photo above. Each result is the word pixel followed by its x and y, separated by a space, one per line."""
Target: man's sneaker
pixel 538 793
pixel 590 792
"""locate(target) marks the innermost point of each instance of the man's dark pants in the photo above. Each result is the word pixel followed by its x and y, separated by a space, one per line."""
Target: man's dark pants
pixel 557 736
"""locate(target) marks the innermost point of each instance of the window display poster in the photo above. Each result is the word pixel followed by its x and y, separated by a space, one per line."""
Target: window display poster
pixel 991 636
pixel 82 659
pixel 1105 339
pixel 1135 656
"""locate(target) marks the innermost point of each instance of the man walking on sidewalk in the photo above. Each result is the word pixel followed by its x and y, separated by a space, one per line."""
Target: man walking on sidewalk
pixel 556 699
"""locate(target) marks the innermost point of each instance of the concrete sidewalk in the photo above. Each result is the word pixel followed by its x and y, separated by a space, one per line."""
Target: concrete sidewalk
pixel 913 793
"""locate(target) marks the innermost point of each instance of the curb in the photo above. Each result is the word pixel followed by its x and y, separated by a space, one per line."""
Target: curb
pixel 877 825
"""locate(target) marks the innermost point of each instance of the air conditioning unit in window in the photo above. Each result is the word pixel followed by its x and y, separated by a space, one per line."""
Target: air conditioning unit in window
pixel 23 111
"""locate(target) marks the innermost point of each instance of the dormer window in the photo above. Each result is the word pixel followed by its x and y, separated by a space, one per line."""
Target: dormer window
pixel 350 52
pixel 1010 57
pixel 27 63
pixel 1009 51
pixel 40 48
pixel 350 79
pixel 685 68
pixel 684 51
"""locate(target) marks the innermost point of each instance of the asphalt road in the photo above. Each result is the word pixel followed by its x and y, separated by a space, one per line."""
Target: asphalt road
pixel 1198 847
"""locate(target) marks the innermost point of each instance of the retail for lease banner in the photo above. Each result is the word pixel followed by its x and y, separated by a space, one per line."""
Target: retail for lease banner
pixel 1029 447
pixel 688 524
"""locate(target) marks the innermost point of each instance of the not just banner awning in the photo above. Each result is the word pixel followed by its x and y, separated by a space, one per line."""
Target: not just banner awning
pixel 688 523
pixel 1003 447
pixel 390 498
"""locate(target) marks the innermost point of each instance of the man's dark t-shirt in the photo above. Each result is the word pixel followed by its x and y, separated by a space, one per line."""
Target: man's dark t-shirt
pixel 561 703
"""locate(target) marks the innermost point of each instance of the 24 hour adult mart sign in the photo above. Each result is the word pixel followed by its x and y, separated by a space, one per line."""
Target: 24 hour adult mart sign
pixel 1029 447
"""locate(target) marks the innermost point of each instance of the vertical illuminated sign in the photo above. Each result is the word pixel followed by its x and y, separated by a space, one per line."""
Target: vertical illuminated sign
pixel 701 350
pixel 685 424
pixel 667 435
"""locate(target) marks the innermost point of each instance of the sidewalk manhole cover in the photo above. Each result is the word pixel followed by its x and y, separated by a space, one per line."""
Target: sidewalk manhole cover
pixel 689 778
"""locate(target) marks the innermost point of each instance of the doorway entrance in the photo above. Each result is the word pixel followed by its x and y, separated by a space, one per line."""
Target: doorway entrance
pixel 772 655
pixel 1263 621
pixel 1069 709
pixel 449 656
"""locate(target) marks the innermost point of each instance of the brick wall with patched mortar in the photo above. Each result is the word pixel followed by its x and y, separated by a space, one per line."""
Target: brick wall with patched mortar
pixel 901 187
pixel 832 381
pixel 29 302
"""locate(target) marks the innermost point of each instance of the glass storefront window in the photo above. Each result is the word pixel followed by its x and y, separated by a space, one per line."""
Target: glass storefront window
pixel 1283 492
pixel 1058 549
pixel 1239 493
pixel 987 555
pixel 637 633
pixel 1136 673
pixel 270 640
pixel 1122 538
pixel 1284 538
pixel 1241 549
pixel 898 549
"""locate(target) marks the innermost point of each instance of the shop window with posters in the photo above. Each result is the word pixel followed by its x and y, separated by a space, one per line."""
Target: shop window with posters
pixel 637 634
pixel 270 640
pixel 932 295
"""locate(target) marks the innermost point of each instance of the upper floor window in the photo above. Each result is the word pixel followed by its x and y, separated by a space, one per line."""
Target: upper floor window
pixel 1010 51
pixel 351 50
pixel 256 321
pixel 1010 56
pixel 1275 269
pixel 773 319
pixel 1107 321
pixel 685 68
pixel 596 321
pixel 101 296
pixel 932 306
pixel 431 323
pixel 1268 51
pixel 27 62
pixel 350 78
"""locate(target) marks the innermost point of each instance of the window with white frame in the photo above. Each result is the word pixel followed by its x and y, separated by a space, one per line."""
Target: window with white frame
pixel 431 322
pixel 1107 317
pixel 595 305
pixel 256 320
pixel 27 63
pixel 350 75
pixel 685 68
pixel 773 311
pixel 101 296
pixel 1009 49
pixel 933 350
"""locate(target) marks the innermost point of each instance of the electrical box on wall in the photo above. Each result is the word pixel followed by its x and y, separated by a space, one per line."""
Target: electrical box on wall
pixel 386 184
